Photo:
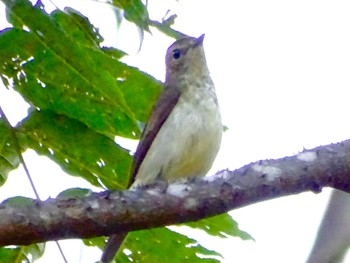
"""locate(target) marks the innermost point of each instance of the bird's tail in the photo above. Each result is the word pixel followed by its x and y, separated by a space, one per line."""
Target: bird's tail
pixel 113 245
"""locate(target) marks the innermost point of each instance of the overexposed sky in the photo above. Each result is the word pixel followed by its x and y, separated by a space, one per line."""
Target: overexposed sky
pixel 281 70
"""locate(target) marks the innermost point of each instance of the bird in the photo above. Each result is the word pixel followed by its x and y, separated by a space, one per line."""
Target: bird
pixel 183 135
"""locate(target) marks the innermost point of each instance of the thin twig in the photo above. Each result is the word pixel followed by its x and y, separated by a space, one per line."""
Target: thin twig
pixel 18 150
pixel 20 156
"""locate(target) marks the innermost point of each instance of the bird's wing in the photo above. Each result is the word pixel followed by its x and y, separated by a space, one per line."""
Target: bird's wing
pixel 162 109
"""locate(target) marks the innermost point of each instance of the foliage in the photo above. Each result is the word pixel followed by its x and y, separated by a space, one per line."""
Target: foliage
pixel 81 97
pixel 22 254
pixel 8 156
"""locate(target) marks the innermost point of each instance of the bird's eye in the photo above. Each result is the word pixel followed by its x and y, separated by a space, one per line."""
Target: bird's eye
pixel 176 53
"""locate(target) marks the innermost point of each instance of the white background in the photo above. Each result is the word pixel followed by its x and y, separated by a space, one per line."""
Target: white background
pixel 281 70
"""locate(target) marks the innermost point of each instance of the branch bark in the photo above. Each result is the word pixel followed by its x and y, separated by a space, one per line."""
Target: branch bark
pixel 107 213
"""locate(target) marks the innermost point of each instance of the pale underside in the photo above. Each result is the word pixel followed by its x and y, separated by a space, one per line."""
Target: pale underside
pixel 188 141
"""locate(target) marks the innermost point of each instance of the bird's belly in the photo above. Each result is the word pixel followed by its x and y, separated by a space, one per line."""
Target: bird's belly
pixel 187 145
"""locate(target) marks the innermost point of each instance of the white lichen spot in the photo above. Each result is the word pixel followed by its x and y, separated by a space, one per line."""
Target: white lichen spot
pixel 44 215
pixel 270 172
pixel 191 203
pixel 307 156
pixel 222 174
pixel 209 178
pixel 178 190
pixel 225 174
pixel 153 192
pixel 74 212
pixel 94 205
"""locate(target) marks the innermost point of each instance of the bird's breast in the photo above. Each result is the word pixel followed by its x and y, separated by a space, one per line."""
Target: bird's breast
pixel 187 143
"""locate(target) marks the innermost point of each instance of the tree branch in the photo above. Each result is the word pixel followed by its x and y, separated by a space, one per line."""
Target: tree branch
pixel 107 213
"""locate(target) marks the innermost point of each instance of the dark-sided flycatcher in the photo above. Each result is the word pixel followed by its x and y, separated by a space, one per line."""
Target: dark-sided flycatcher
pixel 183 134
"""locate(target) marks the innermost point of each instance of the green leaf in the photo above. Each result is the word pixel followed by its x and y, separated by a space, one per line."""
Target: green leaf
pixel 22 254
pixel 19 202
pixel 139 92
pixel 114 53
pixel 78 27
pixel 9 159
pixel 134 11
pixel 58 65
pixel 10 255
pixel 77 149
pixel 158 244
pixel 95 242
pixel 222 226
pixel 33 251
pixel 74 193
pixel 165 27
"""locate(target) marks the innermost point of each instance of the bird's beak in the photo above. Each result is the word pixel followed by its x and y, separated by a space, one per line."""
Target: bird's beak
pixel 199 41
